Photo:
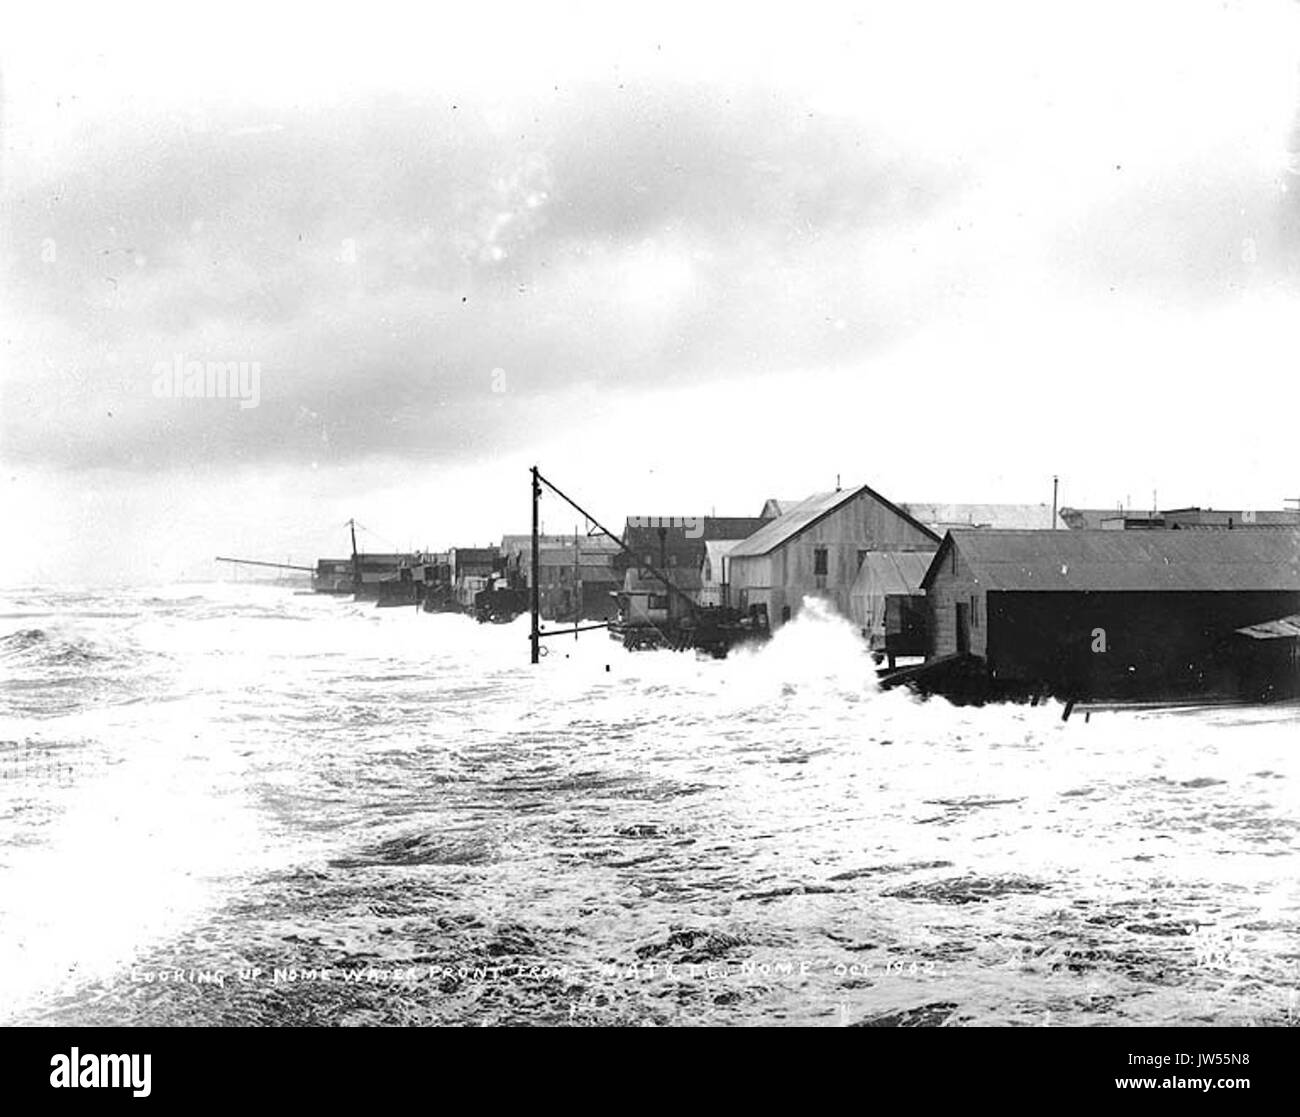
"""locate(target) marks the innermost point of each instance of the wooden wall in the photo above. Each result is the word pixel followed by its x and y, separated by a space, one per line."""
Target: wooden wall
pixel 753 575
pixel 786 575
pixel 952 584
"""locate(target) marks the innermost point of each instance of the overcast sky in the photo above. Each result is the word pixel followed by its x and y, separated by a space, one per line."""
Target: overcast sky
pixel 683 259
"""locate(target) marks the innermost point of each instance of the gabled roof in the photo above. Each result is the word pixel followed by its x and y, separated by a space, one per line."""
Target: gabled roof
pixel 773 507
pixel 1084 559
pixel 715 550
pixel 892 571
pixel 941 517
pixel 809 512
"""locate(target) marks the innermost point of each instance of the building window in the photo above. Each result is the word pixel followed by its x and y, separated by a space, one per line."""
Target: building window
pixel 819 560
pixel 974 612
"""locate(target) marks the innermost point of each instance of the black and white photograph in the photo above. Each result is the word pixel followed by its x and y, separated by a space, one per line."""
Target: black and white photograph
pixel 579 515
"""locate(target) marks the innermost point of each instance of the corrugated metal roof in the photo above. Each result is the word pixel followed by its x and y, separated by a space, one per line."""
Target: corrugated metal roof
pixel 789 524
pixel 1284 628
pixel 941 517
pixel 806 513
pixel 892 572
pixel 1127 560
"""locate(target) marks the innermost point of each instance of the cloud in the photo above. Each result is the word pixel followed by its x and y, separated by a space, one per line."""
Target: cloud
pixel 381 262
pixel 526 231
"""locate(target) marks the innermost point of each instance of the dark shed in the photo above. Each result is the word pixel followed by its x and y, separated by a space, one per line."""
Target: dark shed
pixel 1106 613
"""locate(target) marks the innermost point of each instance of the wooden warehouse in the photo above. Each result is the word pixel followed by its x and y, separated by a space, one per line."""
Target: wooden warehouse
pixel 816 550
pixel 1096 613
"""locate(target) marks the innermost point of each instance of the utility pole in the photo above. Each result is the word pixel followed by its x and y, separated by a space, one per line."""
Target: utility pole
pixel 535 635
pixel 1055 481
pixel 356 559
pixel 670 587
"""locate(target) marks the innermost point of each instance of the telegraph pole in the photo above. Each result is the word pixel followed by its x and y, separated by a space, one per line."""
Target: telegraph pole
pixel 356 559
pixel 535 596
pixel 669 585
pixel 1055 479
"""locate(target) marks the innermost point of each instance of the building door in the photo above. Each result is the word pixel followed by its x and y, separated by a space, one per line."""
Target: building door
pixel 963 628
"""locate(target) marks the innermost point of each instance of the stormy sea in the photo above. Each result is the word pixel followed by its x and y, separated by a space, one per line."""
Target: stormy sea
pixel 236 804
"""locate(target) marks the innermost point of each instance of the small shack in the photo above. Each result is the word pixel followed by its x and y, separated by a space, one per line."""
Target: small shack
pixel 898 628
pixel 471 569
pixel 1269 658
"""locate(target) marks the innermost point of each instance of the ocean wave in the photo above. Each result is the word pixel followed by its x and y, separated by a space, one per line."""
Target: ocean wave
pixel 331 786
pixel 39 645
